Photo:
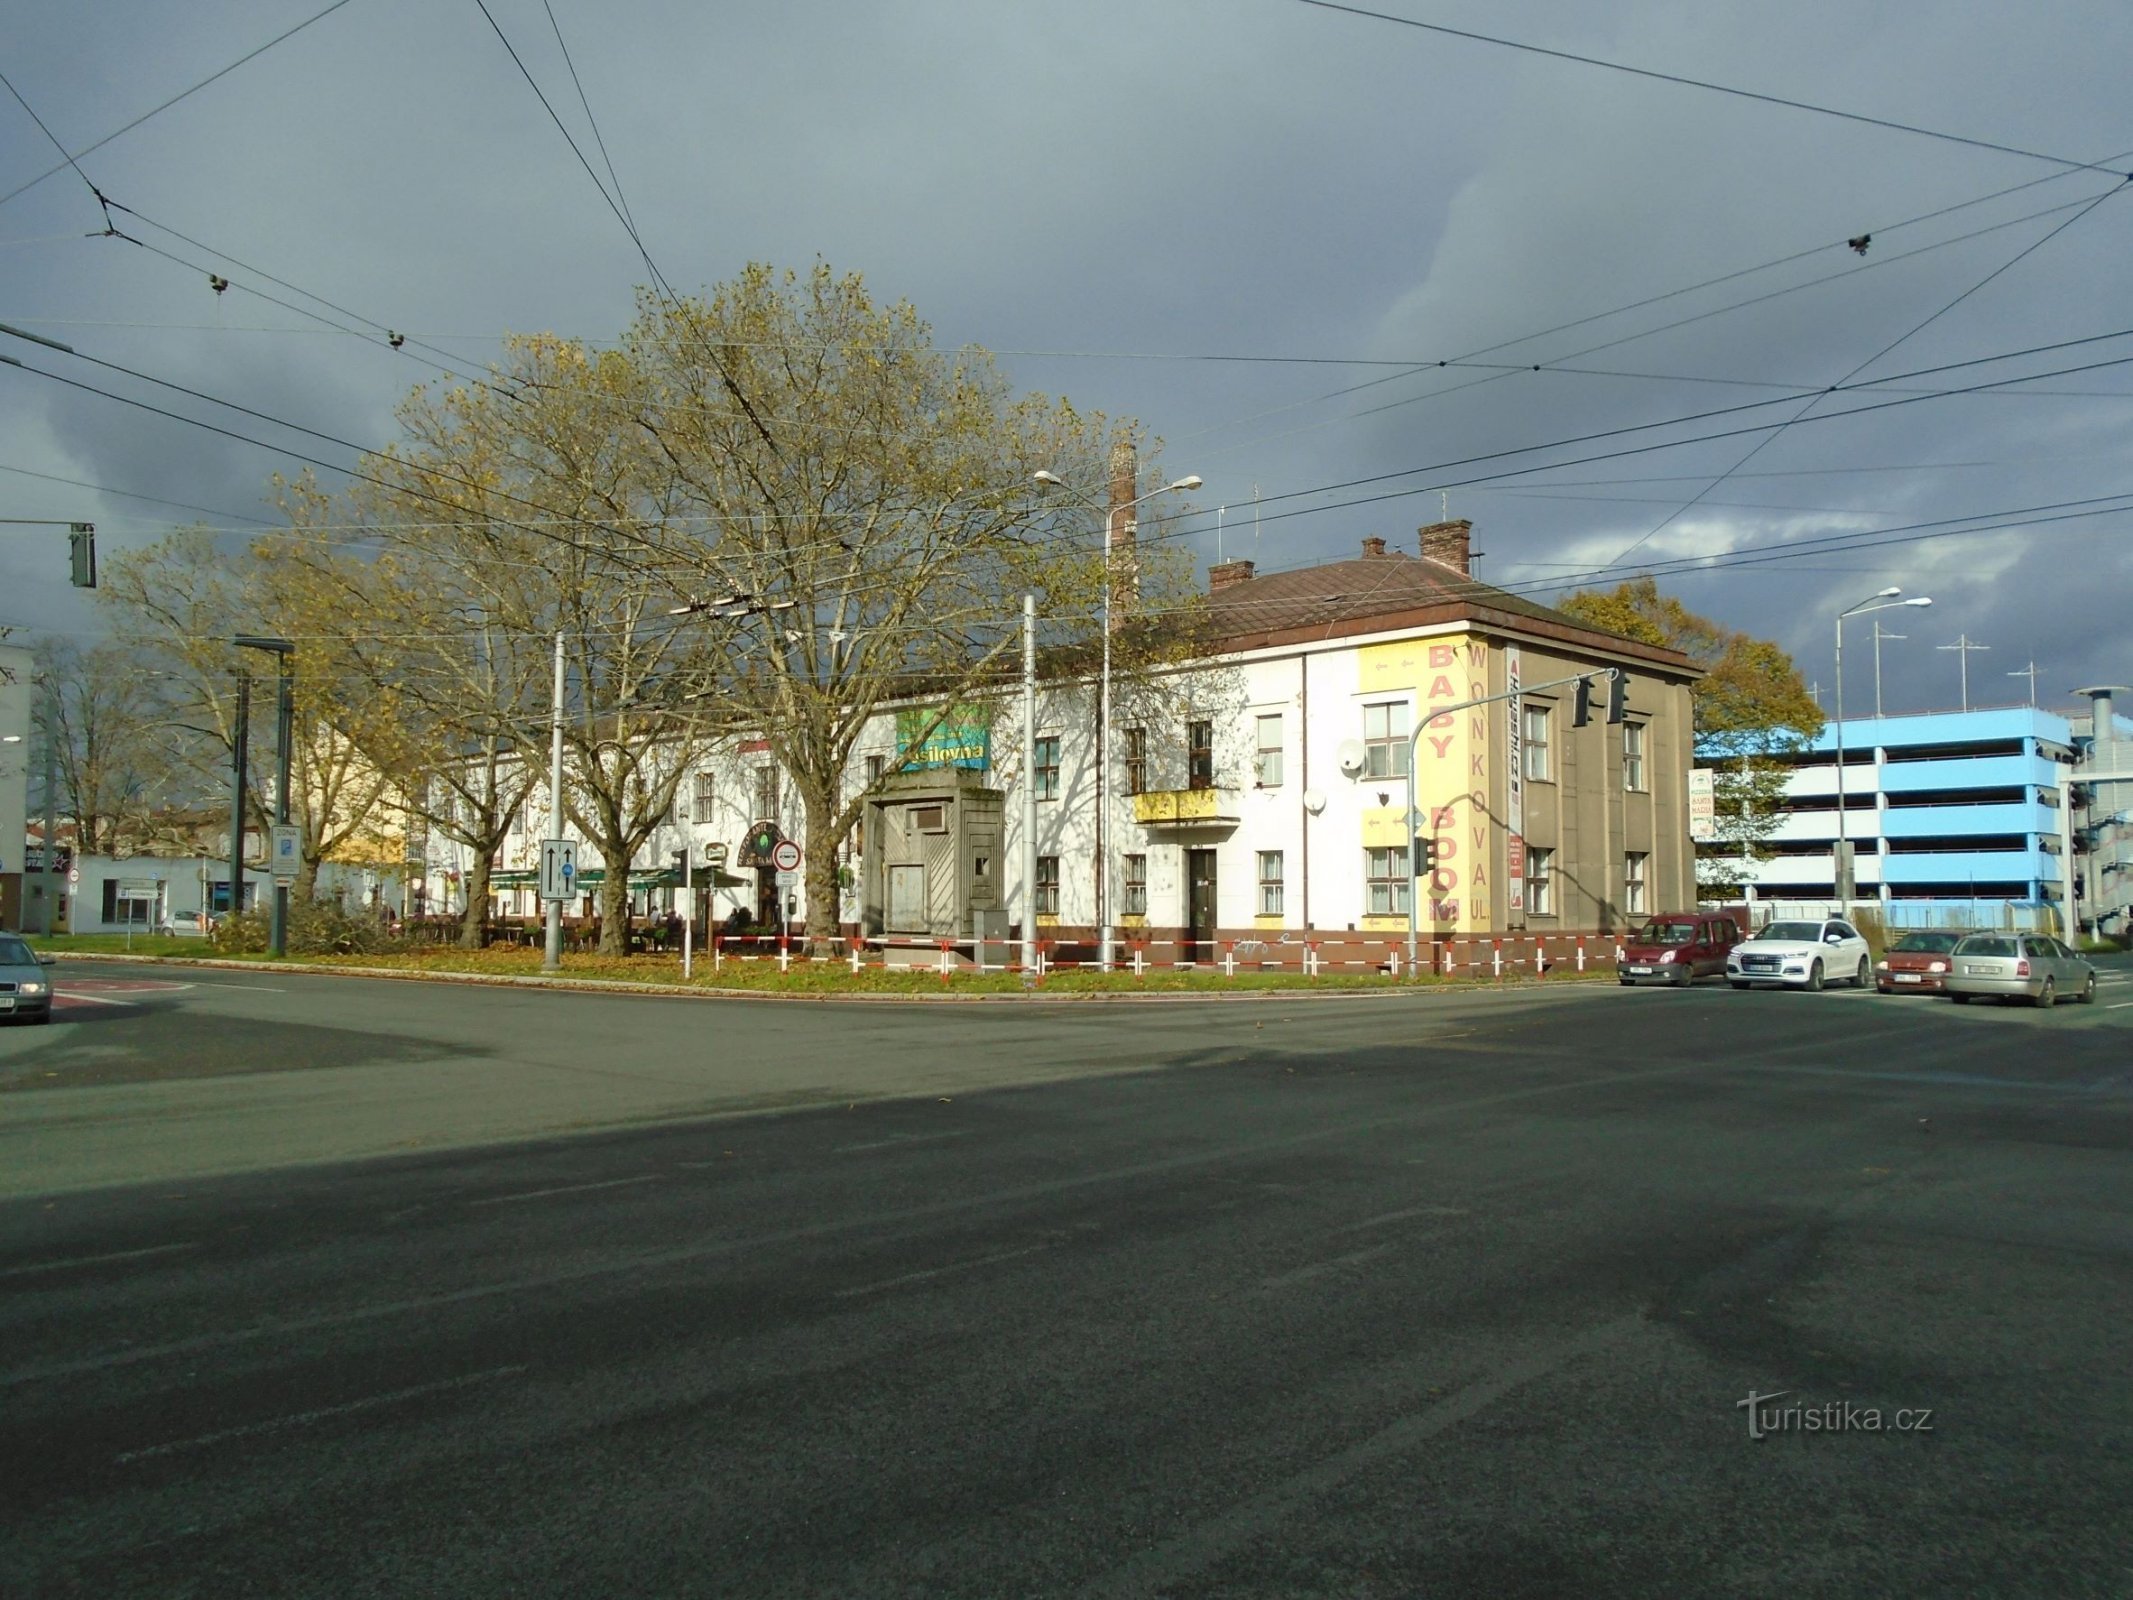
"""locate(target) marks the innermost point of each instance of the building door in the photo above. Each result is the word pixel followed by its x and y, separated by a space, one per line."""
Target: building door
pixel 1200 905
pixel 907 900
pixel 768 917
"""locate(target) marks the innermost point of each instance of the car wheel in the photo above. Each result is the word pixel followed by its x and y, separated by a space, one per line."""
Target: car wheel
pixel 1860 979
pixel 2047 997
pixel 2088 991
pixel 1814 978
pixel 1959 999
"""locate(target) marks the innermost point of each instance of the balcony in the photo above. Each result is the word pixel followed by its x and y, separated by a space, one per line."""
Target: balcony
pixel 1188 810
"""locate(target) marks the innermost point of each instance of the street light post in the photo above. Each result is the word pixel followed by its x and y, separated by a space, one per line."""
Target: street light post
pixel 1052 480
pixel 284 725
pixel 1841 852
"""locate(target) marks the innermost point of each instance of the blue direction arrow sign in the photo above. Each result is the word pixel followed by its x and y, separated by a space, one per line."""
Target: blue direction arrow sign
pixel 559 869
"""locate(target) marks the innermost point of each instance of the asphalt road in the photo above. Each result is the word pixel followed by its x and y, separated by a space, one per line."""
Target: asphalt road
pixel 1443 1295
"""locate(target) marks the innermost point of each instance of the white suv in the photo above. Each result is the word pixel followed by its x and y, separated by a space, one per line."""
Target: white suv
pixel 1802 955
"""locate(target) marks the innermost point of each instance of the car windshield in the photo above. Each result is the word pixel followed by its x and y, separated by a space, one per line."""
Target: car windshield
pixel 1799 932
pixel 1986 944
pixel 14 953
pixel 1937 944
pixel 1666 933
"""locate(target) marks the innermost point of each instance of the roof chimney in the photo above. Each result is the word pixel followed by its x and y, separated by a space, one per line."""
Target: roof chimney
pixel 1446 544
pixel 1373 547
pixel 1229 574
pixel 1119 529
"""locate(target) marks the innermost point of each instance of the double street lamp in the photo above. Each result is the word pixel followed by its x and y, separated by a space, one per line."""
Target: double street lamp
pixel 1841 851
pixel 1052 480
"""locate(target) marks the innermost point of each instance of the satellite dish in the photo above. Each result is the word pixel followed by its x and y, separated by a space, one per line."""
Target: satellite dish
pixel 1314 801
pixel 1351 757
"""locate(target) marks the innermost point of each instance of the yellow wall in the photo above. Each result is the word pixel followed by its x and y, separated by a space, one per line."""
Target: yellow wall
pixel 1452 771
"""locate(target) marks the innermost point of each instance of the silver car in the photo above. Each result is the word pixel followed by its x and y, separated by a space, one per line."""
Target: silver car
pixel 25 986
pixel 2035 966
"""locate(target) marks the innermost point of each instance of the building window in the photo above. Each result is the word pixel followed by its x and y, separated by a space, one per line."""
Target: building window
pixel 1270 883
pixel 1534 741
pixel 876 765
pixel 1136 886
pixel 1200 754
pixel 1136 760
pixel 1635 898
pixel 1633 756
pixel 766 794
pixel 1540 882
pixel 1385 740
pixel 1385 870
pixel 1266 756
pixel 701 798
pixel 1047 886
pixel 1048 767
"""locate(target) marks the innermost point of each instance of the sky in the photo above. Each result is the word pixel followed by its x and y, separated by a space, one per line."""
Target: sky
pixel 1353 273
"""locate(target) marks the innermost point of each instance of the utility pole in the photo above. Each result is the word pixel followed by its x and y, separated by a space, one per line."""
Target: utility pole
pixel 1029 786
pixel 2029 672
pixel 52 880
pixel 284 725
pixel 1963 647
pixel 552 956
pixel 237 783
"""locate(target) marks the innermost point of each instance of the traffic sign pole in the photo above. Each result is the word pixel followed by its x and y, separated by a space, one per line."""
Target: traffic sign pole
pixel 552 954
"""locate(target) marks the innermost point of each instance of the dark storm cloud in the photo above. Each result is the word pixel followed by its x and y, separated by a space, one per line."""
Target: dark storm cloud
pixel 1087 188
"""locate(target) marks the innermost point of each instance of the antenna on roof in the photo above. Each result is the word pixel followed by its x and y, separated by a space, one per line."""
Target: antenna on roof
pixel 1255 522
pixel 1218 533
pixel 1444 505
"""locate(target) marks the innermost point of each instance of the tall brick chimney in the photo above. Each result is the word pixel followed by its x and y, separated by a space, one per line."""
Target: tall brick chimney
pixel 1373 547
pixel 1118 522
pixel 1228 575
pixel 1446 544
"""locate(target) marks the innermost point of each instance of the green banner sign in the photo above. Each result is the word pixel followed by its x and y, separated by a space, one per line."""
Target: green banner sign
pixel 963 738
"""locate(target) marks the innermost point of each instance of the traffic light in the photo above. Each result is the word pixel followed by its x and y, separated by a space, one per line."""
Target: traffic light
pixel 81 541
pixel 1582 712
pixel 1425 854
pixel 1618 697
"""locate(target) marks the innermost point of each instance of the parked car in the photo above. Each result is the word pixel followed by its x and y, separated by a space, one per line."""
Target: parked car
pixel 1802 955
pixel 1678 947
pixel 2035 966
pixel 25 985
pixel 1918 962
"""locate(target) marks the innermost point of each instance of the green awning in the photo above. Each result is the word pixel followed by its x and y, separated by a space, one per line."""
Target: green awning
pixel 592 877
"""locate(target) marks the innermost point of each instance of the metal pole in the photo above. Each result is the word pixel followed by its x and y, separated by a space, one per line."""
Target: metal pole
pixel 1103 758
pixel 237 772
pixel 1029 784
pixel 51 808
pixel 688 909
pixel 552 959
pixel 2072 931
pixel 284 728
pixel 1414 828
pixel 1840 852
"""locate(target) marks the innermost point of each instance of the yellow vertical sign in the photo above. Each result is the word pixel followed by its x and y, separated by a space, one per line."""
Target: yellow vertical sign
pixel 1451 768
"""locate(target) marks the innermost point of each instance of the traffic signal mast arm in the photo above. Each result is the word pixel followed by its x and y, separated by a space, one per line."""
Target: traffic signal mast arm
pixel 1617 704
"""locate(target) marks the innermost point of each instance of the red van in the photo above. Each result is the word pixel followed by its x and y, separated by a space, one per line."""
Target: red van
pixel 1678 947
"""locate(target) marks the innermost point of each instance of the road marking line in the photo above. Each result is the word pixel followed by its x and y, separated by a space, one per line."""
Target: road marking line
pixel 216 983
pixel 95 1261
pixel 568 1188
pixel 939 1272
pixel 2119 1005
pixel 1319 1269
pixel 89 999
pixel 303 1419
pixel 909 1138
pixel 1402 1216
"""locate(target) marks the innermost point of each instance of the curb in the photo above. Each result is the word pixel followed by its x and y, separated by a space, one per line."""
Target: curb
pixel 630 986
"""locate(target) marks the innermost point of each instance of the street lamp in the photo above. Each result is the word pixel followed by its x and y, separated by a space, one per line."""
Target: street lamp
pixel 1052 480
pixel 284 721
pixel 1841 851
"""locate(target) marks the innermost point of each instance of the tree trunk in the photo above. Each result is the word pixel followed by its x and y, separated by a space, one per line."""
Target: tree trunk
pixel 823 900
pixel 615 906
pixel 474 920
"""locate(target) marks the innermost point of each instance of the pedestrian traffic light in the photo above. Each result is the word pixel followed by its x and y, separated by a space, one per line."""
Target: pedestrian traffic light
pixel 1425 854
pixel 81 540
pixel 1618 697
pixel 1582 711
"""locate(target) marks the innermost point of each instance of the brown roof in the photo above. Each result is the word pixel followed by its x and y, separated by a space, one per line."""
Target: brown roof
pixel 1380 593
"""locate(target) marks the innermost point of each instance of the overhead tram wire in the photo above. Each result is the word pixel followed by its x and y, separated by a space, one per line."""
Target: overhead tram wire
pixel 157 110
pixel 1776 433
pixel 147 499
pixel 1681 81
